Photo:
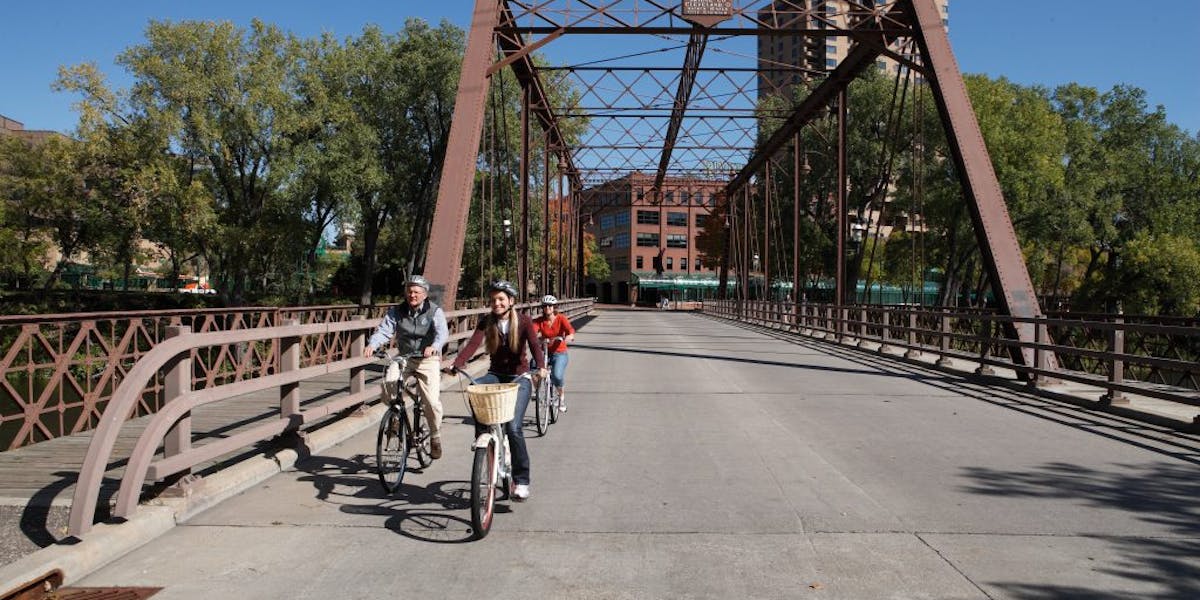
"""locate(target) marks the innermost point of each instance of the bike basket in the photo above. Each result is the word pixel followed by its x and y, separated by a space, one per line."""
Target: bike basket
pixel 493 403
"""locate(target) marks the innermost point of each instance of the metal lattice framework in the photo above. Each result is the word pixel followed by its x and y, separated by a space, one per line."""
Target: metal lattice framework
pixel 671 89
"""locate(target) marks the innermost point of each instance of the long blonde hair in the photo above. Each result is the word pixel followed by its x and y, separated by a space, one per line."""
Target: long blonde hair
pixel 493 332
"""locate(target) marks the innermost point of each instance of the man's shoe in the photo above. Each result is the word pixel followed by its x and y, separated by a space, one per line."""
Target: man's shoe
pixel 435 447
pixel 562 404
pixel 521 493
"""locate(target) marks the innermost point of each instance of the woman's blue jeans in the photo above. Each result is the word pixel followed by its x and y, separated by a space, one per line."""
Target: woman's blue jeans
pixel 558 368
pixel 513 429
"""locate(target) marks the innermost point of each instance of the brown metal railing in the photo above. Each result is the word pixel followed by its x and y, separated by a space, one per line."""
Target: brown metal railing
pixel 171 362
pixel 59 370
pixel 1161 363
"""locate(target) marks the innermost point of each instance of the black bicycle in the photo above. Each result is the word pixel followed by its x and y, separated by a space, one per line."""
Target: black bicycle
pixel 400 435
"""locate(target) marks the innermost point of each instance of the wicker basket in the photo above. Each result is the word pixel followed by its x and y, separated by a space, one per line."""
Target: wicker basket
pixel 493 403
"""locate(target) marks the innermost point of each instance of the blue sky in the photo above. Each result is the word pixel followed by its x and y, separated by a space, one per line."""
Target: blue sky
pixel 1029 41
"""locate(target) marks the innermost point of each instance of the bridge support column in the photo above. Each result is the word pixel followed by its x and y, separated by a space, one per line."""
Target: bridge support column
pixel 462 151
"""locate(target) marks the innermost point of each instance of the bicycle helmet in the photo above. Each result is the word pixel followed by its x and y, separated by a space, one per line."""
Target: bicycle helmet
pixel 418 281
pixel 549 300
pixel 503 286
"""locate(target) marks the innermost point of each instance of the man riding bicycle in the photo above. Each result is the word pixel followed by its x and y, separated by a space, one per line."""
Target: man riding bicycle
pixel 556 328
pixel 419 327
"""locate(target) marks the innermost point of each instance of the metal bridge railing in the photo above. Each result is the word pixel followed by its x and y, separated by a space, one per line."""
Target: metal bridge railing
pixel 333 346
pixel 1148 359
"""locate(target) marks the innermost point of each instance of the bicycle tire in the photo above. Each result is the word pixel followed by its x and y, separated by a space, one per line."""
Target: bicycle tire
pixel 541 407
pixel 553 402
pixel 420 438
pixel 483 490
pixel 391 449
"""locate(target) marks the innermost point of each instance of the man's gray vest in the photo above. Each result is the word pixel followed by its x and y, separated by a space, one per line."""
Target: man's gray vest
pixel 414 330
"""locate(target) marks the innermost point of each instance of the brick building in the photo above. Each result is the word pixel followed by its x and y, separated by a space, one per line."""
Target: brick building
pixel 649 243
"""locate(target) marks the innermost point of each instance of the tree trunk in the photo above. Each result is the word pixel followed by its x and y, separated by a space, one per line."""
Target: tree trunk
pixel 370 240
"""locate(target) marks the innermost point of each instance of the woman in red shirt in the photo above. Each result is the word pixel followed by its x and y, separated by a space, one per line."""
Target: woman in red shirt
pixel 552 325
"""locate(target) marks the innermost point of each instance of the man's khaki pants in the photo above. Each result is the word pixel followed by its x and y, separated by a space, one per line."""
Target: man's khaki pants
pixel 429 384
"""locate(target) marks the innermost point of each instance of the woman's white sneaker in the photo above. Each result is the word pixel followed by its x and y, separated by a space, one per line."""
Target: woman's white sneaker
pixel 521 492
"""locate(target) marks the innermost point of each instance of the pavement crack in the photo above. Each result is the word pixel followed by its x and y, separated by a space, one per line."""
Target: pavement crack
pixel 951 564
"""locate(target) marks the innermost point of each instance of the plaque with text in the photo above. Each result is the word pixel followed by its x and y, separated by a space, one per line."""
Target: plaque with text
pixel 707 13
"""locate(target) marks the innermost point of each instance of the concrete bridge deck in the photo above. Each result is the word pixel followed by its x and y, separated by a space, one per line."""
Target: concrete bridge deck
pixel 700 459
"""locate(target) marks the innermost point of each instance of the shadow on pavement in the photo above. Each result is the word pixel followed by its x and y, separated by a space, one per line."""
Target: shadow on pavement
pixel 425 513
pixel 1161 493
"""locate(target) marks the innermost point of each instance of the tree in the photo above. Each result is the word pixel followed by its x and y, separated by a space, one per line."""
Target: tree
pixel 47 195
pixel 404 88
pixel 226 97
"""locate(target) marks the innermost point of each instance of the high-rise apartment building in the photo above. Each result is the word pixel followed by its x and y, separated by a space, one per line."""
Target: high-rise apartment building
pixel 787 60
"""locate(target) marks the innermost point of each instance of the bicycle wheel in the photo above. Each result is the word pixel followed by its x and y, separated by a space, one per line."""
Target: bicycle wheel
pixel 541 407
pixel 391 449
pixel 552 401
pixel 483 489
pixel 420 438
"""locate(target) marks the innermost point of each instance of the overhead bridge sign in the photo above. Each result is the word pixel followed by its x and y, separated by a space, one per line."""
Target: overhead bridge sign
pixel 707 13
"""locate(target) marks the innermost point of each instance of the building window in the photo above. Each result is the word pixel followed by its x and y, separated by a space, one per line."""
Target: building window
pixel 677 219
pixel 699 265
pixel 670 264
pixel 700 198
pixel 701 219
pixel 621 240
pixel 640 262
pixel 668 197
pixel 647 217
pixel 675 240
pixel 641 194
pixel 607 221
pixel 606 242
pixel 831 62
pixel 683 264
pixel 621 219
pixel 647 240
pixel 621 263
pixel 685 197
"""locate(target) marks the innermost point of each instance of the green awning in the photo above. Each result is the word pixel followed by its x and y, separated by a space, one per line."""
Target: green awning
pixel 650 279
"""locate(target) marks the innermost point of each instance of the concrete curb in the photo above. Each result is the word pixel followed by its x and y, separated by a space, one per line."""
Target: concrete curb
pixel 109 541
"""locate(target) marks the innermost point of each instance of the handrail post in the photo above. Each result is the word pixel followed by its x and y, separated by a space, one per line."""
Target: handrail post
pixel 1038 336
pixel 177 382
pixel 885 331
pixel 986 331
pixel 912 351
pixel 358 343
pixel 1116 364
pixel 944 338
pixel 289 360
pixel 864 322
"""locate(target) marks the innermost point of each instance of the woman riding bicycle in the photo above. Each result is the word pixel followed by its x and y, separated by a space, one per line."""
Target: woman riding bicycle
pixel 556 328
pixel 419 327
pixel 508 335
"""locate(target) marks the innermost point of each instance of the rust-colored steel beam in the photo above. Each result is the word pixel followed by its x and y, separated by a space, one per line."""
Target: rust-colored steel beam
pixel 691 61
pixel 523 239
pixel 842 191
pixel 451 213
pixel 993 227
pixel 448 234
